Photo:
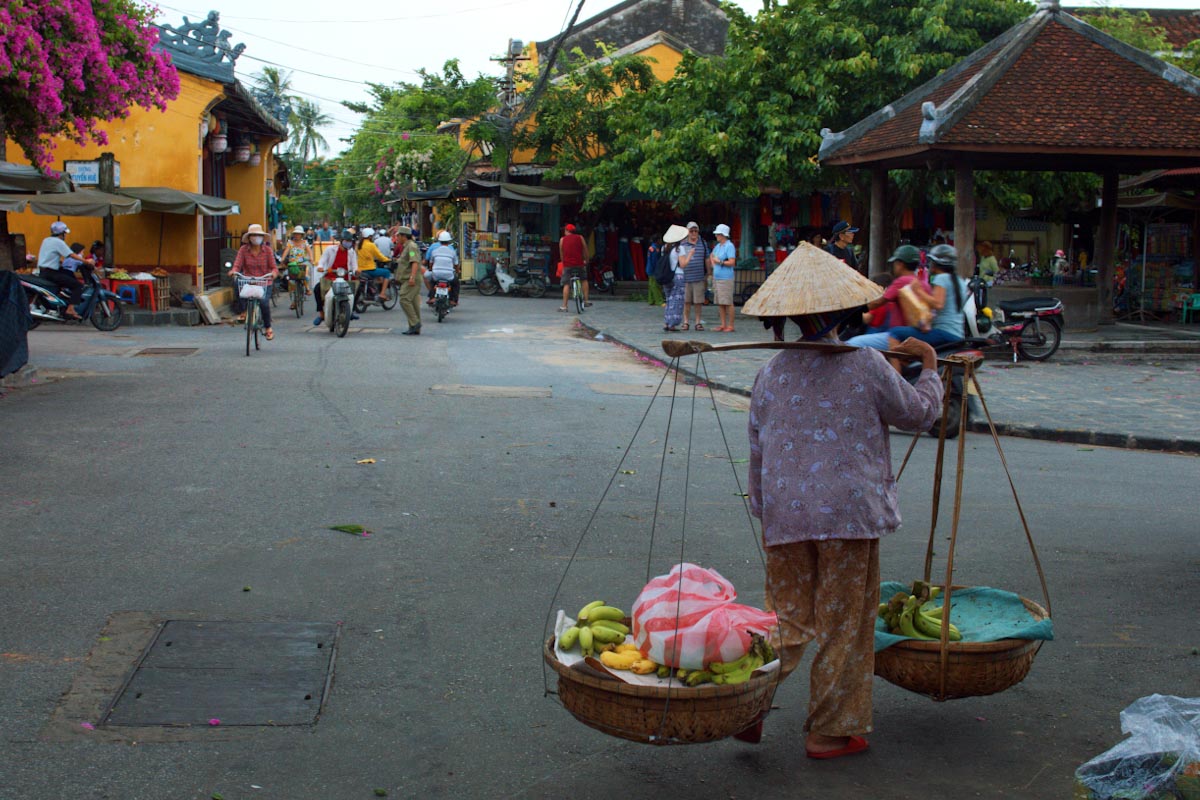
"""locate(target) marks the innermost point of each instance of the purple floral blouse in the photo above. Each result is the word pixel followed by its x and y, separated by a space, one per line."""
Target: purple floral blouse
pixel 820 456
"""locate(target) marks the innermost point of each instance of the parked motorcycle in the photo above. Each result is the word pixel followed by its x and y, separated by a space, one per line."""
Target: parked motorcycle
pixel 1030 326
pixel 601 277
pixel 498 279
pixel 99 305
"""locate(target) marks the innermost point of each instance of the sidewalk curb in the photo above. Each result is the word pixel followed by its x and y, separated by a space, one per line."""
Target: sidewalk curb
pixel 1065 436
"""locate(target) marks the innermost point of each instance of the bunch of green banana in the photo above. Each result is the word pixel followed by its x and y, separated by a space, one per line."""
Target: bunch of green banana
pixel 597 627
pixel 730 672
pixel 911 615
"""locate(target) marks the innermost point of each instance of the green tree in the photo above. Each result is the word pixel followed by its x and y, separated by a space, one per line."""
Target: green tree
pixel 578 114
pixel 723 128
pixel 306 140
pixel 273 90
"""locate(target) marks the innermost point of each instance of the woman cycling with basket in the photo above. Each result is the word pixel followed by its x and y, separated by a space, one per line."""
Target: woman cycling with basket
pixel 298 257
pixel 256 259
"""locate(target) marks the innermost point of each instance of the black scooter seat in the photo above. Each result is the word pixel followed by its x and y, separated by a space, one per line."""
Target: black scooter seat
pixel 1027 304
pixel 38 280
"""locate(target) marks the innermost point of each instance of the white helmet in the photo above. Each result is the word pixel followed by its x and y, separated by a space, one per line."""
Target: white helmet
pixel 368 233
pixel 445 236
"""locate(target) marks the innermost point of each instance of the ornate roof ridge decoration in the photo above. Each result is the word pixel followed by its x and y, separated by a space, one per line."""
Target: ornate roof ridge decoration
pixel 201 48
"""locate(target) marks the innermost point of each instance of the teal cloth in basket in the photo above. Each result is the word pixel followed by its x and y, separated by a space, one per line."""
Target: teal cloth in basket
pixel 980 613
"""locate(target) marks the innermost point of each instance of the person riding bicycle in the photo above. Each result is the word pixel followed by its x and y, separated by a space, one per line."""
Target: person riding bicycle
pixel 443 266
pixel 573 250
pixel 256 259
pixel 297 255
pixel 52 266
pixel 333 259
pixel 371 262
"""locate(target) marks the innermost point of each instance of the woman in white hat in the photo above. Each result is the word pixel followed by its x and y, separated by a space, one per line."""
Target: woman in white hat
pixel 821 482
pixel 256 259
pixel 673 315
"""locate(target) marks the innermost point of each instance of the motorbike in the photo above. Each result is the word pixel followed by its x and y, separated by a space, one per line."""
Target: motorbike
pixel 338 310
pixel 369 294
pixel 911 371
pixel 100 306
pixel 441 299
pixel 602 278
pixel 1030 326
pixel 524 282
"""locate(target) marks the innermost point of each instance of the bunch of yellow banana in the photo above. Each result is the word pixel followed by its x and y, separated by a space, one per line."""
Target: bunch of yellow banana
pixel 911 615
pixel 627 656
pixel 598 628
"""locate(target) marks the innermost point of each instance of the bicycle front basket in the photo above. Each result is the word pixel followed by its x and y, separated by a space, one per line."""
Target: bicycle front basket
pixel 250 291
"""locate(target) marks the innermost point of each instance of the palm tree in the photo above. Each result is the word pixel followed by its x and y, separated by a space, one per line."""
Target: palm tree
pixel 306 140
pixel 272 88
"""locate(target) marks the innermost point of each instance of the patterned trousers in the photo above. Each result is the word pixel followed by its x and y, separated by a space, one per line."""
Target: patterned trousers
pixel 828 592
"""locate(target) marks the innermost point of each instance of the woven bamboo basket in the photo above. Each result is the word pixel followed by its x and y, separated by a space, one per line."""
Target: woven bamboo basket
pixel 696 715
pixel 973 669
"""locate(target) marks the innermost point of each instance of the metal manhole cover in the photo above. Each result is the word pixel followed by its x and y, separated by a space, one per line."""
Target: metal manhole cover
pixel 167 351
pixel 241 673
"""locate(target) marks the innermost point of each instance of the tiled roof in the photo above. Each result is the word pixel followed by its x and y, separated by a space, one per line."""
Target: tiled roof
pixel 1051 84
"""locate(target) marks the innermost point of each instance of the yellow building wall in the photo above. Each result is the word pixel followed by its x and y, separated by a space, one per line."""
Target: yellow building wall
pixel 157 148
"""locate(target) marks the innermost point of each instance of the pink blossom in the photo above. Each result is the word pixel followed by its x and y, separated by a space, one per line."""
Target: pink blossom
pixel 68 65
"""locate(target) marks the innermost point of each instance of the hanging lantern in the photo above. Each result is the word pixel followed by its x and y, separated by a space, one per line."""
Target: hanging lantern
pixel 241 153
pixel 218 143
pixel 255 159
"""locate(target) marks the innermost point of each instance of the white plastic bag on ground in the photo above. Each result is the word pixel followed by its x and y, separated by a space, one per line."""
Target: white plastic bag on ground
pixel 687 618
pixel 1160 759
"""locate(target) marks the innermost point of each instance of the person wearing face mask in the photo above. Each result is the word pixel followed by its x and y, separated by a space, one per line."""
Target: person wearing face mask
pixel 256 259
pixel 333 259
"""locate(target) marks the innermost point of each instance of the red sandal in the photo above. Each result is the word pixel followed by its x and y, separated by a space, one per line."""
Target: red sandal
pixel 857 744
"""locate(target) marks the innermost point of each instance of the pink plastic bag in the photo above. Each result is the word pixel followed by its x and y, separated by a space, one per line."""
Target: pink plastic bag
pixel 693 622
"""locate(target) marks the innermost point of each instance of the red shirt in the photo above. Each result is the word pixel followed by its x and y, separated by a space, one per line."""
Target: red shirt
pixel 571 248
pixel 254 265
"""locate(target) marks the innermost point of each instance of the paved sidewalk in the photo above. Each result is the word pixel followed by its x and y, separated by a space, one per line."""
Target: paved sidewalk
pixel 1144 398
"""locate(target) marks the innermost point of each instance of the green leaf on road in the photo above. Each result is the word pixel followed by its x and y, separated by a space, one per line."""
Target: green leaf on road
pixel 381 792
pixel 354 530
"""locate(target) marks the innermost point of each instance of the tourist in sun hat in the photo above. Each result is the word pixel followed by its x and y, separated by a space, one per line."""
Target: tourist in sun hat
pixel 673 314
pixel 722 259
pixel 821 482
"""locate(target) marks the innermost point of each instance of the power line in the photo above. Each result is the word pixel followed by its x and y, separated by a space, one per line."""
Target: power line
pixel 339 21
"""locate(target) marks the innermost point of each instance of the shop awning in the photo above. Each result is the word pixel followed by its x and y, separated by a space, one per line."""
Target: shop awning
pixel 82 203
pixel 528 194
pixel 1158 200
pixel 24 178
pixel 175 201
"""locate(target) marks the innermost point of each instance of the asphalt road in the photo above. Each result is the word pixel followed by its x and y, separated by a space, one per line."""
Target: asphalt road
pixel 167 485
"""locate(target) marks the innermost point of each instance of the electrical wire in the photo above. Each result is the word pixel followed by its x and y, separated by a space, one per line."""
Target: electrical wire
pixel 409 18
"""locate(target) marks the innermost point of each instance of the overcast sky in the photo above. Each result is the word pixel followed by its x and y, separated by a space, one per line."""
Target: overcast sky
pixel 351 42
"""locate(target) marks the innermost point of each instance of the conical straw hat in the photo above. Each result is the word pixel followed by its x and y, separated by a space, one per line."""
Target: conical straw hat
pixel 811 281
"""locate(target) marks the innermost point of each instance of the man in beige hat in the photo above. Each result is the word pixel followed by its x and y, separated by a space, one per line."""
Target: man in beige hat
pixel 821 482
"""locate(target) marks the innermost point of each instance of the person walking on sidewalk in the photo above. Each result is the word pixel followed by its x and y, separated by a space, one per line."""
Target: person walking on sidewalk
pixel 826 499
pixel 408 275
pixel 722 260
pixel 573 251
pixel 692 255
pixel 673 315
pixel 841 246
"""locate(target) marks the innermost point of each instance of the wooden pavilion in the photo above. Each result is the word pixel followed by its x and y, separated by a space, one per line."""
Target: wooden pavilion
pixel 1051 93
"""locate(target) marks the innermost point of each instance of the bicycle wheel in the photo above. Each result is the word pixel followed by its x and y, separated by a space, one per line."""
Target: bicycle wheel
pixel 251 313
pixel 577 291
pixel 341 323
pixel 298 298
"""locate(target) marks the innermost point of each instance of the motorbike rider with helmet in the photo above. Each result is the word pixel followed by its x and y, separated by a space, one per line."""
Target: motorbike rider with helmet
pixel 947 294
pixel 443 266
pixel 333 259
pixel 371 261
pixel 52 266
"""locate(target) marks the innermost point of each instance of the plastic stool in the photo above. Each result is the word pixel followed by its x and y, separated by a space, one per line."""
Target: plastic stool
pixel 128 293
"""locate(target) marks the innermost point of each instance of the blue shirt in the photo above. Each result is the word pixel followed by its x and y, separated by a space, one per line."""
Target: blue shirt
pixel 949 318
pixel 722 252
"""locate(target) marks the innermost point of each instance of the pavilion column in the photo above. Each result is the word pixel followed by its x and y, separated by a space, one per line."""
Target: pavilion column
pixel 1106 248
pixel 964 218
pixel 876 250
